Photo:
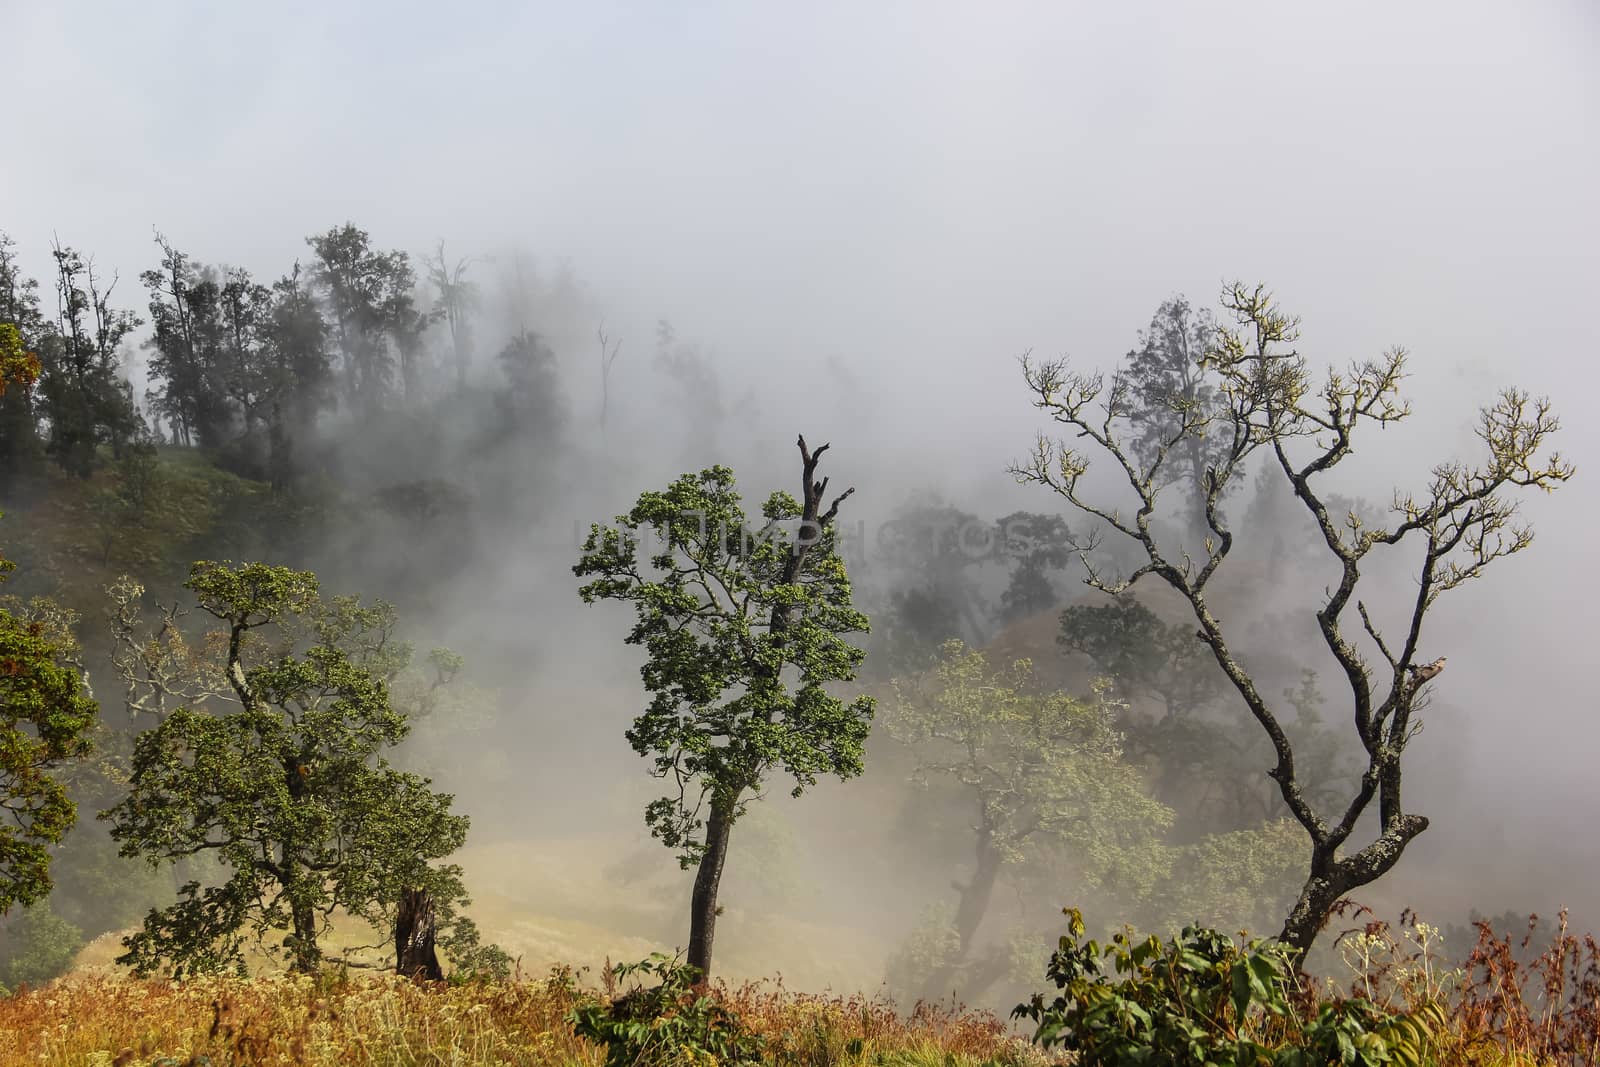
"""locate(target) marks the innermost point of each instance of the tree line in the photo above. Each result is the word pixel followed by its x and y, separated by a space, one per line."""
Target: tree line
pixel 264 749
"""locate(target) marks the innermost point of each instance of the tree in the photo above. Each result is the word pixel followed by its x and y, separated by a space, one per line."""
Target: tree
pixel 455 300
pixel 85 401
pixel 45 720
pixel 370 296
pixel 743 631
pixel 1147 656
pixel 1038 768
pixel 934 549
pixel 1035 546
pixel 186 337
pixel 1171 389
pixel 299 377
pixel 287 788
pixel 608 356
pixel 21 328
pixel 1464 521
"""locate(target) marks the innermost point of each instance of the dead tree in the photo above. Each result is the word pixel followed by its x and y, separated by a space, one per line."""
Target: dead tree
pixel 608 356
pixel 1462 523
pixel 415 928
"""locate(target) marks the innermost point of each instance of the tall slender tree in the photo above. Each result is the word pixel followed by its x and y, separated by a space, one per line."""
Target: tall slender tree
pixel 744 630
pixel 85 400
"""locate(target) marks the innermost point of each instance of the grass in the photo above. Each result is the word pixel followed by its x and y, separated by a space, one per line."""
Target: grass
pixel 103 1020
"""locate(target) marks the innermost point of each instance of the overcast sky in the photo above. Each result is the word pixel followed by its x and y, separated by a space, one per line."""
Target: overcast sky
pixel 918 191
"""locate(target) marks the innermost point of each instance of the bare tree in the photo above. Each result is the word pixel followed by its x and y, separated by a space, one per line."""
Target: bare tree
pixel 608 356
pixel 1463 522
pixel 456 299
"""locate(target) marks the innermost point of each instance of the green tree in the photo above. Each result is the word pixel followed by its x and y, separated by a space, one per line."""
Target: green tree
pixel 1175 398
pixel 371 297
pixel 45 720
pixel 1034 547
pixel 84 399
pixel 1463 522
pixel 1039 770
pixel 287 786
pixel 23 324
pixel 743 631
pixel 1145 655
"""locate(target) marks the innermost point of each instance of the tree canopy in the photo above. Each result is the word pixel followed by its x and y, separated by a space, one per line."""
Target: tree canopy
pixel 743 629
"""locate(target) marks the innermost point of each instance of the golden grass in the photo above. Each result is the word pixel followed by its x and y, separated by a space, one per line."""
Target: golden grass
pixel 103 1020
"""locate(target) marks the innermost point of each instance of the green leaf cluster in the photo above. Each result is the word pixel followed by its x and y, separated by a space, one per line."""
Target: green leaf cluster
pixel 287 787
pixel 45 720
pixel 675 1021
pixel 741 643
pixel 1203 999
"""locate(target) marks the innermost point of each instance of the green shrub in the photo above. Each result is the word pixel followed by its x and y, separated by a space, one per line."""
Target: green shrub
pixel 1202 999
pixel 674 1021
pixel 36 945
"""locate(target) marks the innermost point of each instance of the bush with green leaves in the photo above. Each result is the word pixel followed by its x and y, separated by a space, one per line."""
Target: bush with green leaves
pixel 675 1021
pixel 36 945
pixel 1203 999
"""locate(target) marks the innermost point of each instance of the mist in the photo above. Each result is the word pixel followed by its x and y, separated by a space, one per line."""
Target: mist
pixel 855 220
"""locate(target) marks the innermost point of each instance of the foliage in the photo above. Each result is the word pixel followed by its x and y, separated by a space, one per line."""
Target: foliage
pixel 743 631
pixel 1202 999
pixel 36 945
pixel 83 398
pixel 19 368
pixel 45 720
pixel 1034 547
pixel 287 788
pixel 1039 770
pixel 1173 392
pixel 674 1021
pixel 1132 645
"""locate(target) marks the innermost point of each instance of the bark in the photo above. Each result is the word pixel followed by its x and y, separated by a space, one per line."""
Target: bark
pixel 707 880
pixel 973 906
pixel 1330 879
pixel 304 947
pixel 415 927
pixel 976 894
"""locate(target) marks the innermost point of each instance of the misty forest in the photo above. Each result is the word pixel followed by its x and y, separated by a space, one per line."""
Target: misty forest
pixel 739 540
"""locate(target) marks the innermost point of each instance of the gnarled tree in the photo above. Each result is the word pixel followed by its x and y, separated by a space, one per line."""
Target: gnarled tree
pixel 1464 521
pixel 744 630
pixel 286 784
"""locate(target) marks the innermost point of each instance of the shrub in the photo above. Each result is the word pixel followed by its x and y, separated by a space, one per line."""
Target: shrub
pixel 1203 999
pixel 674 1021
pixel 36 945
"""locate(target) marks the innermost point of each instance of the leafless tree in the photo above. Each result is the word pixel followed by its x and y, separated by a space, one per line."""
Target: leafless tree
pixel 1464 521
pixel 608 356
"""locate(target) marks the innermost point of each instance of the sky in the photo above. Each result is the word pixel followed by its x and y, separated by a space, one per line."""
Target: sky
pixel 914 194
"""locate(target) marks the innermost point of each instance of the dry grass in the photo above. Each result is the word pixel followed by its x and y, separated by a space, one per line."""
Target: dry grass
pixel 103 1020
pixel 1511 1005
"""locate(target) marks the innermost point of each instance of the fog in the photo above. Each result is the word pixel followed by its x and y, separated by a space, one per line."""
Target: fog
pixel 861 216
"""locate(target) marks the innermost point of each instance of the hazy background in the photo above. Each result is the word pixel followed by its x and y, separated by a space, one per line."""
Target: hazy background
pixel 866 212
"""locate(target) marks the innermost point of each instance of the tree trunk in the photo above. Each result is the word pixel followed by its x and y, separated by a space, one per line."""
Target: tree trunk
pixel 973 906
pixel 1310 911
pixel 303 945
pixel 415 927
pixel 703 905
pixel 976 894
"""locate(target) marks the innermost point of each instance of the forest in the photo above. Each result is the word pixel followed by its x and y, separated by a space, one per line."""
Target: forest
pixel 220 763
pixel 950 542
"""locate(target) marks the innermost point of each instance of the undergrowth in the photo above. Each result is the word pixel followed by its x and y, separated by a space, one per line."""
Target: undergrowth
pixel 1515 1001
